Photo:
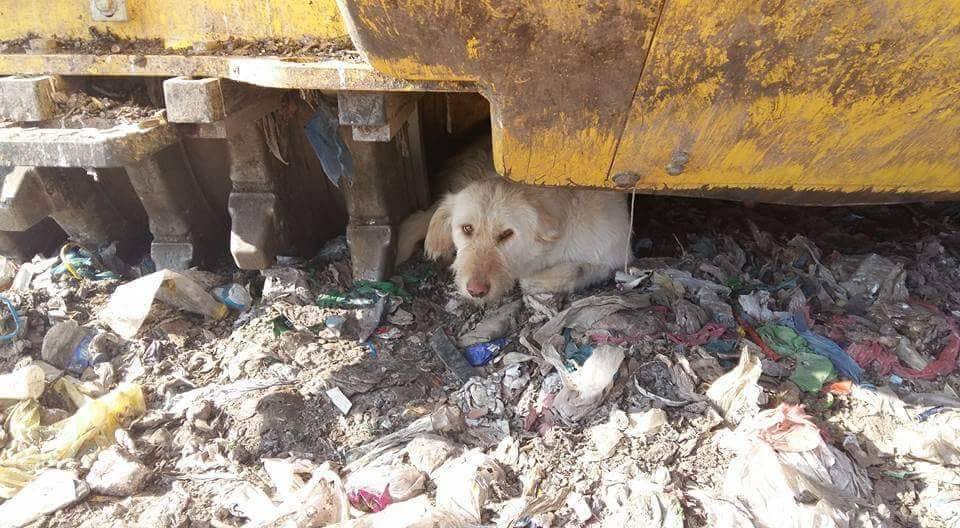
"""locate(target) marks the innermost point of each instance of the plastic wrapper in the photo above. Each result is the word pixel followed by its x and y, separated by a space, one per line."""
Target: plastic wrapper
pixel 466 484
pixel 737 393
pixel 784 474
pixel 34 447
pixel 131 303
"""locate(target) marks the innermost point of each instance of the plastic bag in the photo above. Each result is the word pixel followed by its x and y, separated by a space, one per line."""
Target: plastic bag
pixel 36 447
pixel 784 474
pixel 131 303
pixel 736 393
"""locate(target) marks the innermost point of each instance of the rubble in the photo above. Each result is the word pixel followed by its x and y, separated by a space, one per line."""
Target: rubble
pixel 117 474
pixel 753 370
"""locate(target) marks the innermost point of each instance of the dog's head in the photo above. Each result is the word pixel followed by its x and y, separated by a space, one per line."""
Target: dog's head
pixel 499 231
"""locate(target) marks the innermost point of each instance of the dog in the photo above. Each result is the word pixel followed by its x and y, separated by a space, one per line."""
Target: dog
pixel 499 233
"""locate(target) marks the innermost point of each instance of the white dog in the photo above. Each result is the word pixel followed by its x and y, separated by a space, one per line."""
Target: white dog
pixel 547 239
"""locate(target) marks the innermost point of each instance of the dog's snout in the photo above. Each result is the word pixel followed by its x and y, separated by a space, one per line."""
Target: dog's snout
pixel 478 288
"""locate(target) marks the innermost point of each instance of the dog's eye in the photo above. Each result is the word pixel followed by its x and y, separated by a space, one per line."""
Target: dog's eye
pixel 506 234
pixel 467 229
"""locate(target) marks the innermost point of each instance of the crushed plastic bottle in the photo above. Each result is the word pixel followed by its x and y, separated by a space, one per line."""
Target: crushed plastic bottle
pixel 234 296
pixel 72 347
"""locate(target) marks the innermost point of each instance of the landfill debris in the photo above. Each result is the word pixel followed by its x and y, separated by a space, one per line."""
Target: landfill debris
pixel 427 452
pixel 737 393
pixel 784 470
pixel 73 348
pixel 284 283
pixel 465 484
pixel 93 424
pixel 131 303
pixel 584 388
pixel 372 489
pixel 233 296
pixel 643 502
pixel 812 370
pixel 22 384
pixel 479 354
pixel 52 490
pixel 452 358
pixel 116 473
pixel 716 382
pixel 339 399
pixel 494 326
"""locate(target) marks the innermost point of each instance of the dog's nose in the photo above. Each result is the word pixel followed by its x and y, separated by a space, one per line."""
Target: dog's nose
pixel 478 288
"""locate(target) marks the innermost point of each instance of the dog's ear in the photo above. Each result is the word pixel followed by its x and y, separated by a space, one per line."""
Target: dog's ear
pixel 439 240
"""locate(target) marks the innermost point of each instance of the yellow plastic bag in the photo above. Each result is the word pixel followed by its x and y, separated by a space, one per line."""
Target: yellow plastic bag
pixel 34 447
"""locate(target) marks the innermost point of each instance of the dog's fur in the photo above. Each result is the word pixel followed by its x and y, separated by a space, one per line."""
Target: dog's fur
pixel 547 239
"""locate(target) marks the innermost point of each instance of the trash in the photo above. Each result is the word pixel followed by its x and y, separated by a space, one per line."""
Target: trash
pixel 465 484
pixel 131 303
pixel 116 473
pixel 627 281
pixel 736 393
pixel 645 423
pixel 757 340
pixel 22 384
pixel 320 501
pixel 427 452
pixel 233 296
pixel 812 370
pixel 873 353
pixel 583 389
pixel 93 423
pixel 708 333
pixel 756 306
pixel 400 317
pixel 455 362
pixel 581 509
pixel 522 510
pixel 363 293
pixel 168 511
pixel 643 502
pixel 81 263
pixel 604 439
pixel 720 512
pixel 369 318
pixel 374 488
pixel 52 490
pixel 69 346
pixel 339 399
pixel 494 326
pixel 8 272
pixel 719 311
pixel 480 354
pixel 875 279
pixel 828 348
pixel 936 441
pixel 584 313
pixel 414 513
pixel 15 318
pixel 784 471
pixel 289 284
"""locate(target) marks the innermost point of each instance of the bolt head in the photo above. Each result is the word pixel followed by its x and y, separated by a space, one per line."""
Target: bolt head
pixel 106 8
pixel 626 179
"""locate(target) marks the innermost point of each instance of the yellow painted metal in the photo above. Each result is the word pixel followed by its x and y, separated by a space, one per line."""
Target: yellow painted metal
pixel 179 23
pixel 831 95
pixel 559 75
pixel 802 101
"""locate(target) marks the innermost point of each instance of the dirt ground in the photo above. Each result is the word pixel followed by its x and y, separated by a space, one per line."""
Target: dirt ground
pixel 668 410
